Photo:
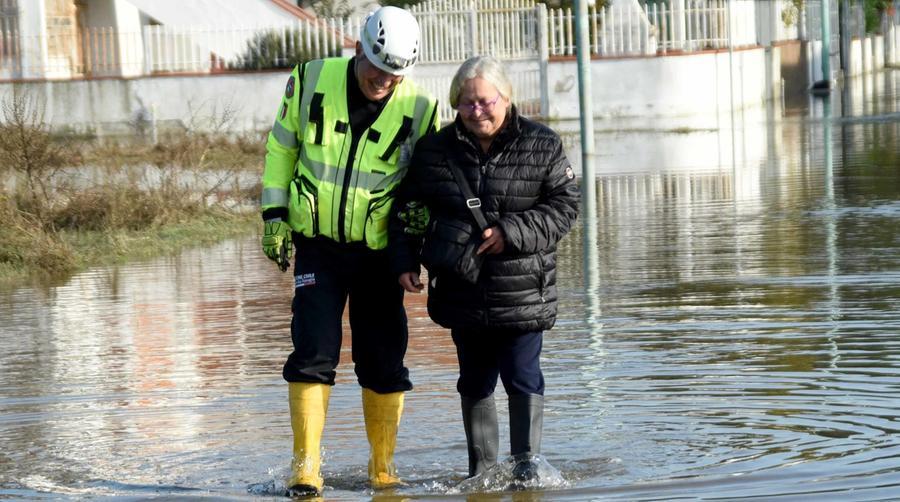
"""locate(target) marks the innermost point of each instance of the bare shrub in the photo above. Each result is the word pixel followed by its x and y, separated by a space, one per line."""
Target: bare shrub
pixel 124 208
pixel 27 147
pixel 207 146
pixel 199 166
pixel 25 244
pixel 62 215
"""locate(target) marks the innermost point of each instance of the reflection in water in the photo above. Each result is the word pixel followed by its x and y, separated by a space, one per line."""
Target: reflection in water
pixel 731 329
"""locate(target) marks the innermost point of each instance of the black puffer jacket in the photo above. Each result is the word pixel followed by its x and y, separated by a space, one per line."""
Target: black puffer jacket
pixel 527 188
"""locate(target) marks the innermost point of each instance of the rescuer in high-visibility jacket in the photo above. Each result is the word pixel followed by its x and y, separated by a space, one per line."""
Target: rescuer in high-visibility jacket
pixel 341 143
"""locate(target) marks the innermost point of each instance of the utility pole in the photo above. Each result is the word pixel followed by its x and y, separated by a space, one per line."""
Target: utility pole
pixel 824 86
pixel 583 50
pixel 588 176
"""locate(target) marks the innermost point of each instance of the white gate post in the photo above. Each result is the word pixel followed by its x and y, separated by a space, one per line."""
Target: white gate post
pixel 544 58
pixel 33 39
pixel 890 39
pixel 146 39
pixel 678 28
pixel 473 30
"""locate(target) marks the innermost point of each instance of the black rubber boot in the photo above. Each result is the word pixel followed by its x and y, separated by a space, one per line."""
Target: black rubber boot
pixel 482 433
pixel 526 417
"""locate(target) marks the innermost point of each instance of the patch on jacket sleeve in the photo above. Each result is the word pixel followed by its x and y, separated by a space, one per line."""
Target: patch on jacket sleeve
pixel 289 90
pixel 570 173
pixel 304 280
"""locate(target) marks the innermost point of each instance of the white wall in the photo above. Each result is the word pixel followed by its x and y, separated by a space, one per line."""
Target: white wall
pixel 107 106
pixel 217 13
pixel 668 86
pixel 668 92
pixel 670 150
pixel 867 55
pixel 100 13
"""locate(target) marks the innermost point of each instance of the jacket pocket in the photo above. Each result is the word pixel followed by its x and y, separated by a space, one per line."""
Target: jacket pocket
pixel 303 211
pixel 376 228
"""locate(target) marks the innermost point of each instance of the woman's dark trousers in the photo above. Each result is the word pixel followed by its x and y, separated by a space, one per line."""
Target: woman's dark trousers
pixel 514 357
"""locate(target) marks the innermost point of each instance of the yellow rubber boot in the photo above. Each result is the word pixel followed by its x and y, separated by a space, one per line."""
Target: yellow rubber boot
pixel 309 405
pixel 382 413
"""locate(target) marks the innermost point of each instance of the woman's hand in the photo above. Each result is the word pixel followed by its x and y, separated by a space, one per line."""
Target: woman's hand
pixel 410 282
pixel 493 241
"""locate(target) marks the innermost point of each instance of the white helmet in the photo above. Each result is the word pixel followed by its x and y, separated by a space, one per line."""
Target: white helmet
pixel 390 39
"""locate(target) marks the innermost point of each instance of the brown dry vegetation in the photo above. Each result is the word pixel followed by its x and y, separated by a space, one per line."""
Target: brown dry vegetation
pixel 139 200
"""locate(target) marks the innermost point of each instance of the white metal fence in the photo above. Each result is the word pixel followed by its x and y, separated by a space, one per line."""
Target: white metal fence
pixel 526 83
pixel 622 30
pixel 170 49
pixel 93 51
pixel 705 25
pixel 452 30
pixel 197 49
pixel 612 31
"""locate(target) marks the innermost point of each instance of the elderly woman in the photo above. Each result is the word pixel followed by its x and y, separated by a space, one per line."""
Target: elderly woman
pixel 518 176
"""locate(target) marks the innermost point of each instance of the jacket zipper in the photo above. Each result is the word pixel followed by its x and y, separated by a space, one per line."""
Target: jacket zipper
pixel 345 189
pixel 481 179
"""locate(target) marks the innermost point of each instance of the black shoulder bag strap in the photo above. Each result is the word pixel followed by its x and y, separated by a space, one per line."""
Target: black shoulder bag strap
pixel 472 202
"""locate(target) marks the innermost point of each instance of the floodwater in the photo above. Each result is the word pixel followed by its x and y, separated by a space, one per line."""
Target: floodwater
pixel 732 332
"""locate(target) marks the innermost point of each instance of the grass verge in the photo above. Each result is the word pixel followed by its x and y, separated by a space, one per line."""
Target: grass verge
pixel 66 206
pixel 42 257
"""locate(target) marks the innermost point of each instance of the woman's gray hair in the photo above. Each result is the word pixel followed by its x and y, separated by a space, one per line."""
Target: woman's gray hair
pixel 486 67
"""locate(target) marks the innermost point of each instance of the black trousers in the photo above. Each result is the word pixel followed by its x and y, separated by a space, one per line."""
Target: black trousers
pixel 485 354
pixel 326 274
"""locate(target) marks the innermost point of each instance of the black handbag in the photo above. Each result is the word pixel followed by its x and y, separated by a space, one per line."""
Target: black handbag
pixel 450 244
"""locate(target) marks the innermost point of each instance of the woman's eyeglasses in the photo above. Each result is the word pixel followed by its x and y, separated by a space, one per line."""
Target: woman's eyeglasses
pixel 485 107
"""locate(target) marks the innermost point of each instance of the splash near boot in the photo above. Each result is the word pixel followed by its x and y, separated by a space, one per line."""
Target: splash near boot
pixel 526 417
pixel 382 413
pixel 309 405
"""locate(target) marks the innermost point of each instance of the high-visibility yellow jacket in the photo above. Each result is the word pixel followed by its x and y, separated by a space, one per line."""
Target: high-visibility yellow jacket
pixel 336 182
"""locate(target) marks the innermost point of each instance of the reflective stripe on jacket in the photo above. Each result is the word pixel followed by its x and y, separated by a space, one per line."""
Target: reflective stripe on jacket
pixel 336 182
